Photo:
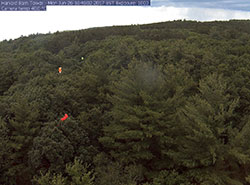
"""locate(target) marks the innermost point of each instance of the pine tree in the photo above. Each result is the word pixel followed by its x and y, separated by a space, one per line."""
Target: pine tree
pixel 205 150
pixel 76 174
pixel 5 160
pixel 22 128
pixel 145 101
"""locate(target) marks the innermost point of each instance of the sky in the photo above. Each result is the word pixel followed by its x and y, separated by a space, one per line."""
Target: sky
pixel 64 18
pixel 242 5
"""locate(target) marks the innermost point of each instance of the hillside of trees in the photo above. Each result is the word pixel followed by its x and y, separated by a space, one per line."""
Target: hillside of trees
pixel 157 104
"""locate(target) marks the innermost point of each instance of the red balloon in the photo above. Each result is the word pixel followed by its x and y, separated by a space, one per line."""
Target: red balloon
pixel 65 117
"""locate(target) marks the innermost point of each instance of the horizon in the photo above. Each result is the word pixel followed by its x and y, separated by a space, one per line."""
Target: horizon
pixel 16 24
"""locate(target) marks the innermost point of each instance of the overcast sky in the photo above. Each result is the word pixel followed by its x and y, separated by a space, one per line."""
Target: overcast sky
pixel 60 18
pixel 242 5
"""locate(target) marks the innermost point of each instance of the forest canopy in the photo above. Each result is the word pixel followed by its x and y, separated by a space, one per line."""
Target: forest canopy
pixel 156 104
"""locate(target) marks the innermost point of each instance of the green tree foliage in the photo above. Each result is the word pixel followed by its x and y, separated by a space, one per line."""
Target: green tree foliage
pixel 7 72
pixel 58 144
pixel 170 177
pixel 77 174
pixel 164 103
pixel 208 134
pixel 51 179
pixel 110 172
pixel 22 128
pixel 5 160
pixel 143 127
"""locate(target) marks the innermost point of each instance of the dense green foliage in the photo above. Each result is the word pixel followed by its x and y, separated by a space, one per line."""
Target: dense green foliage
pixel 157 104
